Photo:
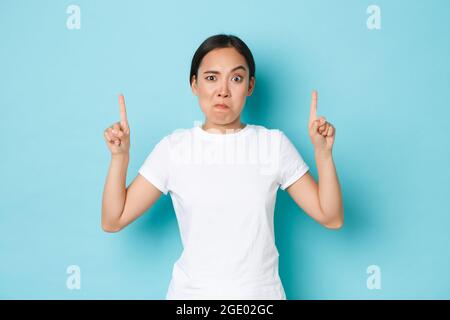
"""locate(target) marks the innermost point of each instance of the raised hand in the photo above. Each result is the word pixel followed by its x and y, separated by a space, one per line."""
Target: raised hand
pixel 117 136
pixel 321 132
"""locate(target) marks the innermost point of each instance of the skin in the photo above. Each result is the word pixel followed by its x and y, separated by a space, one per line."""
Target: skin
pixel 219 82
pixel 322 201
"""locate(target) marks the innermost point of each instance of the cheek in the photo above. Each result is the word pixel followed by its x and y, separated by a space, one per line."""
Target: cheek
pixel 205 97
pixel 206 91
pixel 240 92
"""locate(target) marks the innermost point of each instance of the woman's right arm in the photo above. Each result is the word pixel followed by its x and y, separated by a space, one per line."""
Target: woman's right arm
pixel 121 205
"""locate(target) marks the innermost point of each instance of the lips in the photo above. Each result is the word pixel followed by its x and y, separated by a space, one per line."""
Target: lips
pixel 221 106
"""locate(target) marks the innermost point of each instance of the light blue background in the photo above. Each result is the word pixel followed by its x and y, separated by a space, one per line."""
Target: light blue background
pixel 386 91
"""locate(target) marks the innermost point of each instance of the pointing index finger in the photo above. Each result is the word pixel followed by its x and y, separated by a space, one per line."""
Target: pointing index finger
pixel 313 109
pixel 123 112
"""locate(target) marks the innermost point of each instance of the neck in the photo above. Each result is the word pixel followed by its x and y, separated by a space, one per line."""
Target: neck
pixel 235 126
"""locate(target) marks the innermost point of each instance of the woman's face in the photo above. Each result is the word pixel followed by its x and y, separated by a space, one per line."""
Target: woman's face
pixel 223 78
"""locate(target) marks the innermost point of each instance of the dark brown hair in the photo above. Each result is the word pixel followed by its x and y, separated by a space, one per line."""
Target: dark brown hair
pixel 221 41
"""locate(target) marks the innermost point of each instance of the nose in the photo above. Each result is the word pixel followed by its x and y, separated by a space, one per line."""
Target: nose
pixel 224 92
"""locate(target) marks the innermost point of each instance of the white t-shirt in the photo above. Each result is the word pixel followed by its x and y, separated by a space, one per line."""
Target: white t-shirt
pixel 223 189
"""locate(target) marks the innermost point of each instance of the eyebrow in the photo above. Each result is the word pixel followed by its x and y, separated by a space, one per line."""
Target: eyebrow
pixel 234 69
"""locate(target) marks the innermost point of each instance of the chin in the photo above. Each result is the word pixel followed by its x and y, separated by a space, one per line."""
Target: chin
pixel 221 121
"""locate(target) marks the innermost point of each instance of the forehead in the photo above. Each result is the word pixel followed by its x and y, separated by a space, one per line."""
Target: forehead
pixel 222 59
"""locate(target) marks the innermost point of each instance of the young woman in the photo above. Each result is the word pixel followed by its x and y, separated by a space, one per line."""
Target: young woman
pixel 223 178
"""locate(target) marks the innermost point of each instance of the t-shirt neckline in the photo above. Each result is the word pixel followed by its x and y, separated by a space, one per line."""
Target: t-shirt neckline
pixel 214 135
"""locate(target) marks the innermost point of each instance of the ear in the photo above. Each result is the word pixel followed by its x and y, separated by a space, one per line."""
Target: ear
pixel 194 85
pixel 251 86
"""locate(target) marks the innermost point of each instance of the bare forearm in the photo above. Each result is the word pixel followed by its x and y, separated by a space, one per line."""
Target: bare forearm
pixel 329 189
pixel 114 193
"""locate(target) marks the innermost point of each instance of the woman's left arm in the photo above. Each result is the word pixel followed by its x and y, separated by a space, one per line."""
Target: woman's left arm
pixel 322 201
pixel 330 196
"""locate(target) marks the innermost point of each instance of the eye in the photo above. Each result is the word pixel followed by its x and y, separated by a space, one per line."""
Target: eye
pixel 209 78
pixel 238 77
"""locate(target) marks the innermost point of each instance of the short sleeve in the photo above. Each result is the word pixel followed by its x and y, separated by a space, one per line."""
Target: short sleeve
pixel 156 166
pixel 292 166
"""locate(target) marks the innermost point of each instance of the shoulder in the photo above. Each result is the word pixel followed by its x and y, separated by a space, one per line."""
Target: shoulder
pixel 264 130
pixel 177 135
pixel 274 134
pixel 279 139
